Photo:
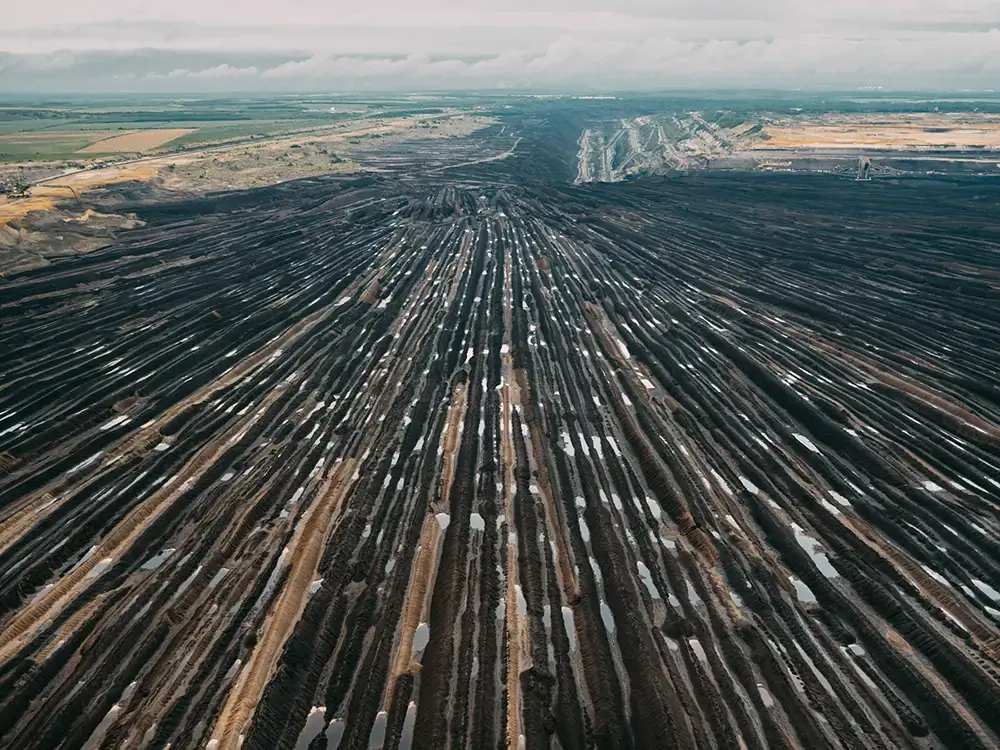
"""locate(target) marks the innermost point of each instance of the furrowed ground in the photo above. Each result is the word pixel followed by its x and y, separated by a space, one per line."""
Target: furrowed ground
pixel 470 456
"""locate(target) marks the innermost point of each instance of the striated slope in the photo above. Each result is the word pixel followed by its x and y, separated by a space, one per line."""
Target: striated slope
pixel 702 463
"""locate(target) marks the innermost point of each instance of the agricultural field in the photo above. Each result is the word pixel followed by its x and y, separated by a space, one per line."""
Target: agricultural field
pixel 137 141
pixel 48 145
pixel 214 154
pixel 928 132
pixel 69 130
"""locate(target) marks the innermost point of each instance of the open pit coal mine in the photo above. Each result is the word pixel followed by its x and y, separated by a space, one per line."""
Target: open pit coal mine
pixel 709 461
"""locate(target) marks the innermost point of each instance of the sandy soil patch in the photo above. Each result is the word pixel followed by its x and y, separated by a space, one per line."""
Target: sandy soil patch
pixel 12 210
pixel 337 150
pixel 916 135
pixel 47 195
pixel 99 177
pixel 138 140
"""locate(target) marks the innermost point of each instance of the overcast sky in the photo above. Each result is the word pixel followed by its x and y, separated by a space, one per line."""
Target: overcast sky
pixel 204 45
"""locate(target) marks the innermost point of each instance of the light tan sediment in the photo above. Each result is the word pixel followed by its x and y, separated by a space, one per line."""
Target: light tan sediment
pixel 305 552
pixel 415 602
pixel 517 633
pixel 460 267
pixel 28 512
pixel 449 444
pixel 23 625
pixel 72 625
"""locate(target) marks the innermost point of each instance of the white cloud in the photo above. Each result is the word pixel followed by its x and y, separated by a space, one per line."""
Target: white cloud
pixel 64 60
pixel 455 13
pixel 226 71
pixel 217 71
pixel 665 62
pixel 440 43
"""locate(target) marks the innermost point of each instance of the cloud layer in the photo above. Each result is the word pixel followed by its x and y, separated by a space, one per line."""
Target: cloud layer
pixel 658 44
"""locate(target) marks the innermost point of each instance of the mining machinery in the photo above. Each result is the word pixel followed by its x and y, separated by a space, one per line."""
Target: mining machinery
pixel 14 186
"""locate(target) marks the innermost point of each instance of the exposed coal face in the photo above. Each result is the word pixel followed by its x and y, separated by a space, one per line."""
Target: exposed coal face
pixel 483 458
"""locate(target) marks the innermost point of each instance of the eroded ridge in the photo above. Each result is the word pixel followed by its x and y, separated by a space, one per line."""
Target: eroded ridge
pixel 700 463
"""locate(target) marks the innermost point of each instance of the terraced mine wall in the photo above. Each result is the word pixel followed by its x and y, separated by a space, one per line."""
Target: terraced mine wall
pixel 485 459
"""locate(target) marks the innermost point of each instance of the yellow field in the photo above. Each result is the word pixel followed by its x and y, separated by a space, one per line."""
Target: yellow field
pixel 913 133
pixel 137 140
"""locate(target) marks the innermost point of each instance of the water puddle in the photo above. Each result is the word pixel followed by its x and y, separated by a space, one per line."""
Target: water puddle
pixel 522 605
pixel 101 568
pixel 647 579
pixel 806 442
pixel 231 673
pixel 609 620
pixel 217 578
pixel 334 734
pixel 698 649
pixel 186 583
pixel 991 592
pixel 815 551
pixel 115 422
pixel 97 736
pixel 377 738
pixel 765 696
pixel 802 592
pixel 568 623
pixel 936 576
pixel 157 560
pixel 314 725
pixel 421 637
pixel 406 738
pixel 692 592
pixel 841 500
